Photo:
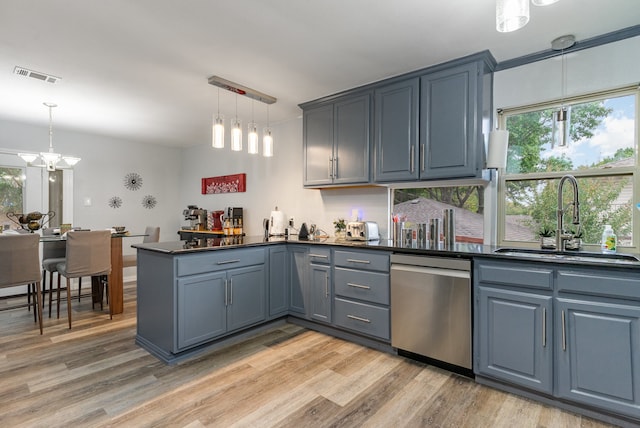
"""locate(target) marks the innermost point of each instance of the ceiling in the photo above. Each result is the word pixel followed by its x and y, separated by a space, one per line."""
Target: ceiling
pixel 138 69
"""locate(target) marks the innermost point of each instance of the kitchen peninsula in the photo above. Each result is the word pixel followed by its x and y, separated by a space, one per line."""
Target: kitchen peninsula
pixel 194 296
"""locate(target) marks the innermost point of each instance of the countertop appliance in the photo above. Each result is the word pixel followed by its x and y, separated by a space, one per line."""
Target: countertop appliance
pixel 431 308
pixel 362 231
pixel 197 218
pixel 277 223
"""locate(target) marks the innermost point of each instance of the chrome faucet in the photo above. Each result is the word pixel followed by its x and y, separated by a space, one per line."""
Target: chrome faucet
pixel 561 236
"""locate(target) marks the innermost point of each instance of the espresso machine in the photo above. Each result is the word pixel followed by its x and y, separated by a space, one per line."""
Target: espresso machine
pixel 197 218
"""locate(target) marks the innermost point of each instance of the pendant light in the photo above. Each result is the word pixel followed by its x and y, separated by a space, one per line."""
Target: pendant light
pixel 252 135
pixel 218 128
pixel 543 2
pixel 50 158
pixel 267 139
pixel 562 117
pixel 511 15
pixel 236 131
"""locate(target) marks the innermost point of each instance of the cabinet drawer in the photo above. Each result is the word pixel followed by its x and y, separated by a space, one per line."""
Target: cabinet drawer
pixel 362 260
pixel 219 260
pixel 363 318
pixel 600 282
pixel 516 274
pixel 319 254
pixel 370 286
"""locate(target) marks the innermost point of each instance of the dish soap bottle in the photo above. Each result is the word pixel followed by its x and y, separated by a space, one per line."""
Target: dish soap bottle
pixel 609 240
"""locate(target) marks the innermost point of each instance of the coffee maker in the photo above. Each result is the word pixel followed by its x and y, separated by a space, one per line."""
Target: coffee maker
pixel 197 218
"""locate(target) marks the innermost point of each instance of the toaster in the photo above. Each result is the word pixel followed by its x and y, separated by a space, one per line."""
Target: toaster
pixel 362 231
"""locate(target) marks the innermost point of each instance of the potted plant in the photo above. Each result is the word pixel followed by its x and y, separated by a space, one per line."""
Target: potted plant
pixel 576 241
pixel 547 237
pixel 340 226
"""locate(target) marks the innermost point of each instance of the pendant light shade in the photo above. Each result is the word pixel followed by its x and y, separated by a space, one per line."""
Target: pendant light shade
pixel 236 135
pixel 511 15
pixel 543 2
pixel 497 151
pixel 252 138
pixel 218 132
pixel 561 125
pixel 267 143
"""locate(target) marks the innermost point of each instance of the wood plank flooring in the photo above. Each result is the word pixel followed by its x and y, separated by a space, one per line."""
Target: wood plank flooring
pixel 96 376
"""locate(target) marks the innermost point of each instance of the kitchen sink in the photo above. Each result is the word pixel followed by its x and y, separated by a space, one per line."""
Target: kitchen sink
pixel 568 256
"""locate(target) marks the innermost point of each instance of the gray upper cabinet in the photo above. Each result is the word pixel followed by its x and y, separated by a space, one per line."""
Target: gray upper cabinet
pixel 337 141
pixel 396 131
pixel 450 117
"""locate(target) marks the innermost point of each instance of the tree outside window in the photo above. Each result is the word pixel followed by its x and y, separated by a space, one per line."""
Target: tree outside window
pixel 601 154
pixel 11 192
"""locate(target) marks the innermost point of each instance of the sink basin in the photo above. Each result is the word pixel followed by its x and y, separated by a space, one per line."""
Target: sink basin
pixel 578 256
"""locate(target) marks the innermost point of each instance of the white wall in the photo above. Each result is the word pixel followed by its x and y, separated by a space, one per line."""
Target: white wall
pixel 275 181
pixel 100 175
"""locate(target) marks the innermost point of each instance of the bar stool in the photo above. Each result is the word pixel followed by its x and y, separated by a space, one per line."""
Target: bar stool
pixel 20 264
pixel 87 254
pixel 53 253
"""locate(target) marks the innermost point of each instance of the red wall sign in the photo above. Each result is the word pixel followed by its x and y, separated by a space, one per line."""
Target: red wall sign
pixel 224 184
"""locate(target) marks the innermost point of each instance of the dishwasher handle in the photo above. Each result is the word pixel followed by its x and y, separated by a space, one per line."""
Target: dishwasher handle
pixel 431 271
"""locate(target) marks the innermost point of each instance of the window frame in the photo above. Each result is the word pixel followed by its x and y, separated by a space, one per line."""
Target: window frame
pixel 634 172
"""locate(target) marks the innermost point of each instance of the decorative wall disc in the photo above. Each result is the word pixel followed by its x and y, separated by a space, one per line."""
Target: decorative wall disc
pixel 115 202
pixel 133 181
pixel 149 202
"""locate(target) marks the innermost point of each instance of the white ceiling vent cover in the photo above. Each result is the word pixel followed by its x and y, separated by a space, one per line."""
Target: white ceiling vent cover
pixel 21 71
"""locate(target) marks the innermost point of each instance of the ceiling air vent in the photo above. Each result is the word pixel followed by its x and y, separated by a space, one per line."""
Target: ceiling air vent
pixel 25 72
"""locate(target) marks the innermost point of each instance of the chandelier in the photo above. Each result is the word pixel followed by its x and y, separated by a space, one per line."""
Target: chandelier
pixel 217 140
pixel 49 159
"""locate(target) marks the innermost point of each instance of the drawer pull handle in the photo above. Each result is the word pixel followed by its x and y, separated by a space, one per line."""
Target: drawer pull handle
pixel 225 262
pixel 322 256
pixel 366 262
pixel 564 334
pixel 353 317
pixel 544 327
pixel 351 284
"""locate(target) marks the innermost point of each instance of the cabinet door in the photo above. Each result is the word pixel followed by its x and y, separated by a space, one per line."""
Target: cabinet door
pixel 201 312
pixel 298 279
pixel 246 302
pixel 278 284
pixel 449 123
pixel 320 293
pixel 514 337
pixel 396 131
pixel 318 145
pixel 599 354
pixel 351 142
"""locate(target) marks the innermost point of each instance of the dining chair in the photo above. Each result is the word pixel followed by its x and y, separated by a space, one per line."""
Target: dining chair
pixel 152 234
pixel 20 264
pixel 53 253
pixel 87 254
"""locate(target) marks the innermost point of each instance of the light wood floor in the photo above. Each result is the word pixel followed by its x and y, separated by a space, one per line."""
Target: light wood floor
pixel 95 376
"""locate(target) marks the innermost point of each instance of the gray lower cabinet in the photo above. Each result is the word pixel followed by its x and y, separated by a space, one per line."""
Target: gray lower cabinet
pixel 362 287
pixel 278 281
pixel 568 331
pixel 297 277
pixel 188 300
pixel 514 329
pixel 320 284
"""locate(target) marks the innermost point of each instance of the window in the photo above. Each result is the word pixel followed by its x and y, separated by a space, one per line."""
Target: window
pixel 601 153
pixel 11 193
pixel 419 205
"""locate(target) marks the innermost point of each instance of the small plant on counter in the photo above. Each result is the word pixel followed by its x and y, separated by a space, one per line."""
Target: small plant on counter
pixel 340 226
pixel 547 234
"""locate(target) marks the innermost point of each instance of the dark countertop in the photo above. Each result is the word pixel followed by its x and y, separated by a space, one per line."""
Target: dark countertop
pixel 460 250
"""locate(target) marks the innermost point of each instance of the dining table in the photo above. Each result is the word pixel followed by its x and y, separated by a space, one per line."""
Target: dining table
pixel 116 294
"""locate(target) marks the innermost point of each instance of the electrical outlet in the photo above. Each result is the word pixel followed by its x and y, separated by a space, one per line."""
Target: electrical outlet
pixel 291 222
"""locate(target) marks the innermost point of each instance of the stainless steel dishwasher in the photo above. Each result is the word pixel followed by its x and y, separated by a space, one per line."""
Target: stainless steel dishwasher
pixel 431 308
